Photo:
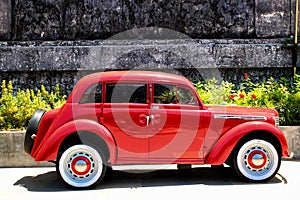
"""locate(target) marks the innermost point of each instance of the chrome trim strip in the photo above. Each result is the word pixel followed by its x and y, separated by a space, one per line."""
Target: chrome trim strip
pixel 239 117
pixel 276 118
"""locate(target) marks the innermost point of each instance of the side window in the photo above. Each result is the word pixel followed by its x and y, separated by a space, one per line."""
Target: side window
pixel 93 94
pixel 185 96
pixel 170 94
pixel 165 94
pixel 126 93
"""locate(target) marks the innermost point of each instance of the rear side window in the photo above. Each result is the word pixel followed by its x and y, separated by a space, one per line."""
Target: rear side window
pixel 126 93
pixel 93 94
pixel 165 94
pixel 172 94
pixel 186 96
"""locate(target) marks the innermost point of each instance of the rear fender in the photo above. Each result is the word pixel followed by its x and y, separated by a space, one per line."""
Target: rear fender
pixel 223 148
pixel 48 149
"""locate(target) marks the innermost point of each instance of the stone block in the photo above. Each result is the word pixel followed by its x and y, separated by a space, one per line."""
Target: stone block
pixel 267 55
pixel 292 133
pixel 230 56
pixel 218 18
pixel 234 19
pixel 5 19
pixel 12 151
pixel 152 13
pixel 38 20
pixel 273 18
pixel 92 19
pixel 198 18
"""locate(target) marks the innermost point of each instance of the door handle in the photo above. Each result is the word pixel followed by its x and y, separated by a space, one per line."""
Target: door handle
pixel 150 118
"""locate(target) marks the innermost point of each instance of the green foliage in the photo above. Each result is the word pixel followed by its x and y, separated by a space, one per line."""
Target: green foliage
pixel 213 92
pixel 280 95
pixel 17 108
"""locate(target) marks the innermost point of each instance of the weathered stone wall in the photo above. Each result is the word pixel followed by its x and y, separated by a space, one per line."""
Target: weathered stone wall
pixel 49 63
pixel 100 19
pixel 58 41
pixel 12 152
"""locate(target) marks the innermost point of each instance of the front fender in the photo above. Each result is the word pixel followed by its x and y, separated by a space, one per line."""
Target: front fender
pixel 228 141
pixel 48 148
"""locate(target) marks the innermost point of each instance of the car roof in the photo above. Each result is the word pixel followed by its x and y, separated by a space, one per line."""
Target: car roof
pixel 135 76
pixel 131 75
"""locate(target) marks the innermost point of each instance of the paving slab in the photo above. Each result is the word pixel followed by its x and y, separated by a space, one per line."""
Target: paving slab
pixel 147 183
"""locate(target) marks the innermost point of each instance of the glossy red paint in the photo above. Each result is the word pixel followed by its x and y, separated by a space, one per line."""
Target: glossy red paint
pixel 224 146
pixel 47 150
pixel 152 131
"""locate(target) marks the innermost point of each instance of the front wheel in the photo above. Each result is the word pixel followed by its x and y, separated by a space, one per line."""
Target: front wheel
pixel 256 160
pixel 81 166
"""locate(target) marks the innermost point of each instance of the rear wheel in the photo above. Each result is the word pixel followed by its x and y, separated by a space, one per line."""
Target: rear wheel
pixel 82 166
pixel 256 160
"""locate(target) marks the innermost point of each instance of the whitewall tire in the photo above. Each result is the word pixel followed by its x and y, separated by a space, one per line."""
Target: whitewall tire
pixel 257 160
pixel 81 166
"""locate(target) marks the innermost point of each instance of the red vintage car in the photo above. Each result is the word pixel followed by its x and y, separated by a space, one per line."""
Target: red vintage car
pixel 143 117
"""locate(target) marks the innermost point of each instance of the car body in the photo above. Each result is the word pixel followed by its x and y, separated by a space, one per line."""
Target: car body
pixel 145 117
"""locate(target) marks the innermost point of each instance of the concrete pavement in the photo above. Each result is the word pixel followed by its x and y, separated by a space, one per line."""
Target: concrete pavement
pixel 164 183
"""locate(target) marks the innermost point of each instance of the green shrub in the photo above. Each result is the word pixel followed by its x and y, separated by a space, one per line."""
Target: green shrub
pixel 280 95
pixel 213 92
pixel 17 108
pixel 291 114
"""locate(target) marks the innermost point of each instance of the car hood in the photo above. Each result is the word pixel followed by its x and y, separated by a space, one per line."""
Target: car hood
pixel 241 110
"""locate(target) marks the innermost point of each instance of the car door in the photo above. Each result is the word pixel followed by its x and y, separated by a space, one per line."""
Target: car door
pixel 125 114
pixel 175 126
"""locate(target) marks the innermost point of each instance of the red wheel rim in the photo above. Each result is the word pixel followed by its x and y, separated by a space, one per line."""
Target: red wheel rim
pixel 81 165
pixel 257 159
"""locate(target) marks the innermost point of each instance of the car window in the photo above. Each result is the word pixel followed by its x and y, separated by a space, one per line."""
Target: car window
pixel 170 94
pixel 164 93
pixel 126 93
pixel 93 94
pixel 186 96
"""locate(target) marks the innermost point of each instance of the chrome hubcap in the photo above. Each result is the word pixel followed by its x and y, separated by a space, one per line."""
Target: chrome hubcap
pixel 81 165
pixel 256 158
